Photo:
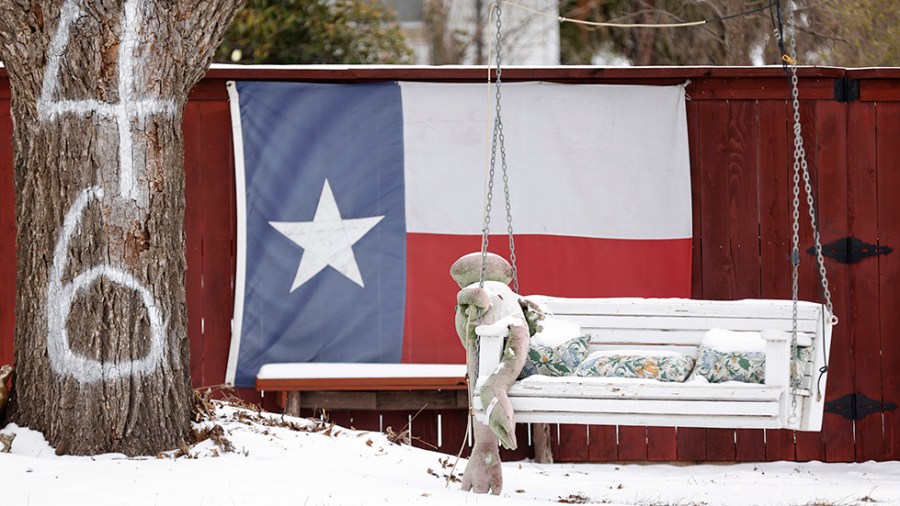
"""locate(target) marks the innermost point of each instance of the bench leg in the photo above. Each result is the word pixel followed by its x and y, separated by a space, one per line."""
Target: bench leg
pixel 292 406
pixel 540 437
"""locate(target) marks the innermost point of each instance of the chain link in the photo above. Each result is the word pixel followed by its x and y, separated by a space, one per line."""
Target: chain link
pixel 795 216
pixel 498 139
pixel 801 170
pixel 801 167
pixel 486 231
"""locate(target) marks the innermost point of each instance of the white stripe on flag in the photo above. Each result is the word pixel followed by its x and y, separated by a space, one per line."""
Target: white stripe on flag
pixel 240 191
pixel 606 161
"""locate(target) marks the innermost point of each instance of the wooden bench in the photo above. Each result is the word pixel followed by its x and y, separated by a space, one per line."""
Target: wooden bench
pixel 365 386
pixel 675 325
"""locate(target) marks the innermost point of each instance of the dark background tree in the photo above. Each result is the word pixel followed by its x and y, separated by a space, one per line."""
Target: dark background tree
pixel 449 46
pixel 733 42
pixel 829 32
pixel 314 31
pixel 857 33
pixel 98 91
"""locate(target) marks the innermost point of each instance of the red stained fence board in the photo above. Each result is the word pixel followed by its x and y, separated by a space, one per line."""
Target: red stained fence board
pixel 217 203
pixel 775 234
pixel 603 445
pixel 690 443
pixel 193 227
pixel 632 443
pixel 7 236
pixel 662 444
pixel 887 124
pixel 831 157
pixel 569 442
pixel 863 291
pixel 809 445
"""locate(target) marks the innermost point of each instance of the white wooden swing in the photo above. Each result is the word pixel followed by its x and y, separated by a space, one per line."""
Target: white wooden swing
pixel 678 325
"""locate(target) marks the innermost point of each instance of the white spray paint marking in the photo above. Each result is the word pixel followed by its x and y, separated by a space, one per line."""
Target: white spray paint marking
pixel 127 46
pixel 138 109
pixel 60 296
pixel 68 13
pixel 126 110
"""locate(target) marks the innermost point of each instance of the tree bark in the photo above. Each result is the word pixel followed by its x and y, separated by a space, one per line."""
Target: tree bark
pixel 98 90
pixel 543 444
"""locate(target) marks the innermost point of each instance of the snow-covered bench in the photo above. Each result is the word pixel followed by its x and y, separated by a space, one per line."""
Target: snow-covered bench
pixel 378 381
pixel 675 325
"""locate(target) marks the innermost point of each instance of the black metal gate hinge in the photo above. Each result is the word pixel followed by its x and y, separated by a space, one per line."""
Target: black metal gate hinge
pixel 848 250
pixel 857 406
pixel 846 89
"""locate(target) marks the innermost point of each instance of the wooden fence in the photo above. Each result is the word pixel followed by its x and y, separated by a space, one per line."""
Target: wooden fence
pixel 740 131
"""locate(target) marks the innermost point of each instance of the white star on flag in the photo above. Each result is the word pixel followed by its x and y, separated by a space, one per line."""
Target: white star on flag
pixel 327 240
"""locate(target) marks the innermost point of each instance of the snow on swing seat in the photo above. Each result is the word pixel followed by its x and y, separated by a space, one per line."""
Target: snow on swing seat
pixel 677 325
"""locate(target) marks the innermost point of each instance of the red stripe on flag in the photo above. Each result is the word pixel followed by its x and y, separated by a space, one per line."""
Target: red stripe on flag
pixel 548 265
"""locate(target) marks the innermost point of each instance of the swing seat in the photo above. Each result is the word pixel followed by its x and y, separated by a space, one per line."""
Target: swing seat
pixel 654 325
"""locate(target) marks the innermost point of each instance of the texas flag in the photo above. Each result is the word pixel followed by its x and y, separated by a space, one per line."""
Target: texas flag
pixel 354 199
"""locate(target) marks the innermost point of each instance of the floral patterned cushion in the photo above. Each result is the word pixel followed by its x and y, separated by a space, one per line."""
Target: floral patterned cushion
pixel 743 360
pixel 662 366
pixel 721 366
pixel 558 360
pixel 800 365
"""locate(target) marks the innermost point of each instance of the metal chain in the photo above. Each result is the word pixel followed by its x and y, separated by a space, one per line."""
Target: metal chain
pixel 801 166
pixel 801 169
pixel 486 230
pixel 795 215
pixel 498 139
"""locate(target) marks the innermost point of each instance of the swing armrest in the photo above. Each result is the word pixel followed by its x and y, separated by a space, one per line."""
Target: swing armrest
pixel 778 357
pixel 490 348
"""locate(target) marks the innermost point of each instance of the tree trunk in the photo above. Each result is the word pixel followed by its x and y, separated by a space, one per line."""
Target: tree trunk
pixel 543 444
pixel 98 90
pixel 645 37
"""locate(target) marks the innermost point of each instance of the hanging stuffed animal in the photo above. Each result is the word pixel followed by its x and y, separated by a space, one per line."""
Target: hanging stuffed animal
pixel 494 303
pixel 5 374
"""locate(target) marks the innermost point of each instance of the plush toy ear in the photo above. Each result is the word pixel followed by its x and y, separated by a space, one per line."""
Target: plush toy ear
pixel 467 269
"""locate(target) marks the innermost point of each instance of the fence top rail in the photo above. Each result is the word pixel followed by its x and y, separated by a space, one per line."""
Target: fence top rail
pixel 478 73
pixel 706 83
pixel 513 73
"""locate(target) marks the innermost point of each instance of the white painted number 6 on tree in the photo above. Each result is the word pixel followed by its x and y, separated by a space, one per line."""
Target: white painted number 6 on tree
pixel 60 295
pixel 63 360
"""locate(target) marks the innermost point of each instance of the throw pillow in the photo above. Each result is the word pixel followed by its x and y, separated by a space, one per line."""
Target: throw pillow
pixel 661 366
pixel 726 355
pixel 559 360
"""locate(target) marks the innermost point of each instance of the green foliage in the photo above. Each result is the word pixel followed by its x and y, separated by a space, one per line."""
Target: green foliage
pixel 314 31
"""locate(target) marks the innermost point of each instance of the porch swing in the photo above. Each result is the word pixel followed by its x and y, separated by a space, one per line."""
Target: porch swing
pixel 796 336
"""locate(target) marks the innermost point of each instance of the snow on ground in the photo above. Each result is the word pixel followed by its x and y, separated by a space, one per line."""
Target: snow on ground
pixel 282 460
